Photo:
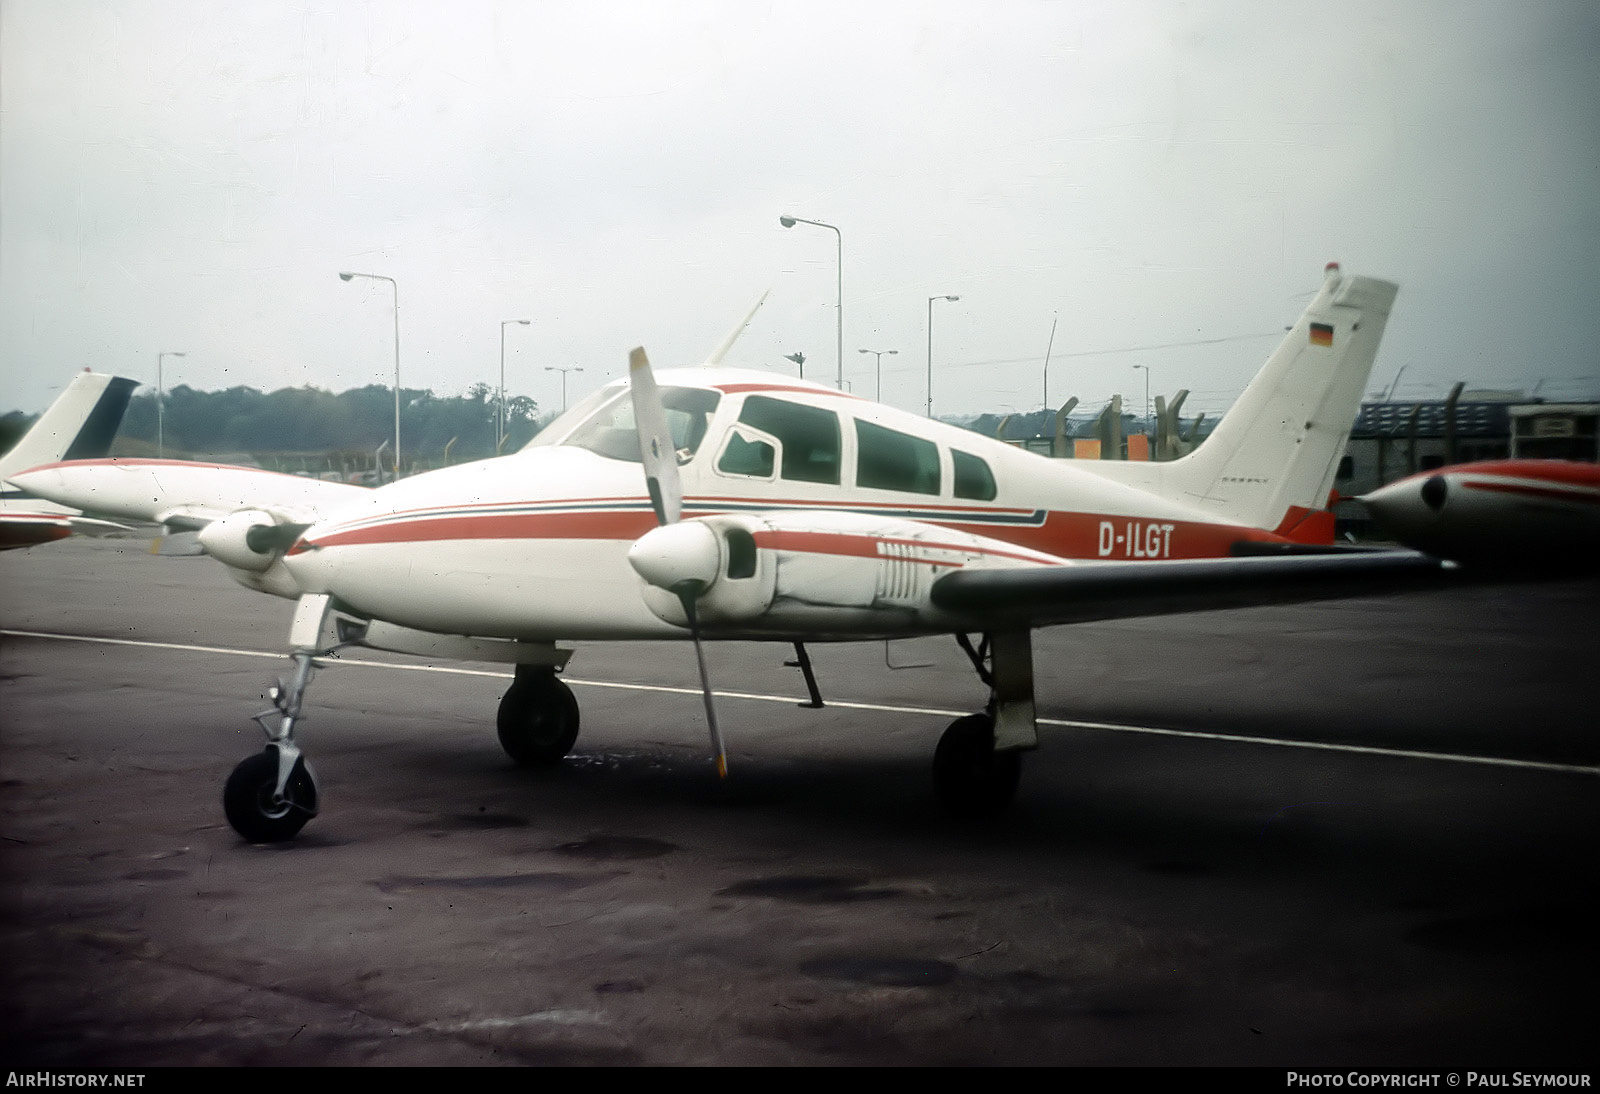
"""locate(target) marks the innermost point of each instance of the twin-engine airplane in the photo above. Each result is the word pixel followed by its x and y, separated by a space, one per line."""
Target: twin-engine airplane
pixel 714 503
pixel 78 425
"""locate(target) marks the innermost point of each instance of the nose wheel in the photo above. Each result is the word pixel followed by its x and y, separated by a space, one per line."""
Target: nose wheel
pixel 255 806
pixel 269 797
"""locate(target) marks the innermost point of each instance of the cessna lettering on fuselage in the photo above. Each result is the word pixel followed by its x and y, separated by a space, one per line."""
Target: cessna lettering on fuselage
pixel 725 504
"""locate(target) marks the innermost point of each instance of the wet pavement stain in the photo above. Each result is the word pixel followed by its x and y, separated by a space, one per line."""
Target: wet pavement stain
pixel 1179 868
pixel 483 819
pixel 810 889
pixel 550 882
pixel 598 848
pixel 883 972
pixel 619 987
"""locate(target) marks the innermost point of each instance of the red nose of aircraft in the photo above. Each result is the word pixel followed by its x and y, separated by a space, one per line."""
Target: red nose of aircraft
pixel 1532 515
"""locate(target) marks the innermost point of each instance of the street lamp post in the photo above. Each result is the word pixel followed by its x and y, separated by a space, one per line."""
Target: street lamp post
pixel 880 353
pixel 563 371
pixel 931 299
pixel 790 222
pixel 346 276
pixel 500 414
pixel 161 400
pixel 1146 396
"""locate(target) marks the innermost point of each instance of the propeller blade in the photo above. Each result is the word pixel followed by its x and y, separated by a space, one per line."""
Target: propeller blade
pixel 686 595
pixel 666 497
pixel 655 440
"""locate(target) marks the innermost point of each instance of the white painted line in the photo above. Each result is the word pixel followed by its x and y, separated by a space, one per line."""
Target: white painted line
pixel 1063 723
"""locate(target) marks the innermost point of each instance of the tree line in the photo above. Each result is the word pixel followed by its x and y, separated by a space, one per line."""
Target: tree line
pixel 339 431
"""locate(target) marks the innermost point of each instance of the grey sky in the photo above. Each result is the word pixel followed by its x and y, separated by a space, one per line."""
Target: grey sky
pixel 192 176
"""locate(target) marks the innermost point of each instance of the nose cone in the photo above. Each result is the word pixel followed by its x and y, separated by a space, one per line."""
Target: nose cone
pixel 677 555
pixel 42 483
pixel 1423 513
pixel 1409 506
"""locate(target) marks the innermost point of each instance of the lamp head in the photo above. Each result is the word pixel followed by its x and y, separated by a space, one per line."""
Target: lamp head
pixel 346 276
pixel 787 222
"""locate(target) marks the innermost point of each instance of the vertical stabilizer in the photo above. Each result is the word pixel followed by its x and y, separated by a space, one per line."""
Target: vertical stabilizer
pixel 1275 452
pixel 78 426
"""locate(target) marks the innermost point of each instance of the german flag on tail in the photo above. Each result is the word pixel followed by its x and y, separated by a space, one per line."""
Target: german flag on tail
pixel 1321 334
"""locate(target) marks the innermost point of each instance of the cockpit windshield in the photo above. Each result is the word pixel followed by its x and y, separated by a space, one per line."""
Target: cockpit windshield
pixel 604 424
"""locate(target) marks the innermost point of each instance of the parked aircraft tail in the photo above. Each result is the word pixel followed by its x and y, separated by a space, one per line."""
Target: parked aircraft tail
pixel 78 426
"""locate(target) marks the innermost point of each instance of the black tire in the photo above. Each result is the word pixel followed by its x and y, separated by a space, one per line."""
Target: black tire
pixel 247 799
pixel 537 720
pixel 974 781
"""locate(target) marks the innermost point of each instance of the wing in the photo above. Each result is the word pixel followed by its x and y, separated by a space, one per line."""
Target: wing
pixel 1041 596
pixel 807 575
pixel 183 495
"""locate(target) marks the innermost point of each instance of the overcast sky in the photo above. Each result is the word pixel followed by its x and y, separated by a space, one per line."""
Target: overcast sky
pixel 1163 181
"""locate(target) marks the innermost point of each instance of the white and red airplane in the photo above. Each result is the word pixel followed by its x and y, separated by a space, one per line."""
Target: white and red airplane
pixel 1498 514
pixel 78 425
pixel 728 504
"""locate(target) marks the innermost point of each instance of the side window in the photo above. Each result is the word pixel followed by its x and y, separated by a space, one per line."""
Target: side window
pixel 745 454
pixel 890 460
pixel 973 478
pixel 807 436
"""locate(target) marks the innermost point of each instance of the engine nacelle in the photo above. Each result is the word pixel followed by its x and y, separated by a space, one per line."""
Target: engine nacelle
pixel 238 540
pixel 814 572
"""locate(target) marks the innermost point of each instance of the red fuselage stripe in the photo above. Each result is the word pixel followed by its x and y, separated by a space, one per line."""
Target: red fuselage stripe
pixel 1062 535
pixel 1576 497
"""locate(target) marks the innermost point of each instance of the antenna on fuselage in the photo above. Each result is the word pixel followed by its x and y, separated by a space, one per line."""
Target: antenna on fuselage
pixel 733 336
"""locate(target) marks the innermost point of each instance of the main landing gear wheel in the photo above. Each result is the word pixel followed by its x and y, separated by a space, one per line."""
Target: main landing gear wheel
pixel 253 808
pixel 538 718
pixel 974 781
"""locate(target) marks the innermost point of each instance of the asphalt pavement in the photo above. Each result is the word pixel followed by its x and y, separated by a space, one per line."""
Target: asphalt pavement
pixel 1352 834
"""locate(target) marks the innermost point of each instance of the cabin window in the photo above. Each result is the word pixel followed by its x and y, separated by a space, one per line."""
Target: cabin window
pixel 1347 469
pixel 974 480
pixel 746 454
pixel 889 460
pixel 612 432
pixel 807 436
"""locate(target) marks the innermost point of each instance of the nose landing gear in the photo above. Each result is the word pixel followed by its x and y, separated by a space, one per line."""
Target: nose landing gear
pixel 270 796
